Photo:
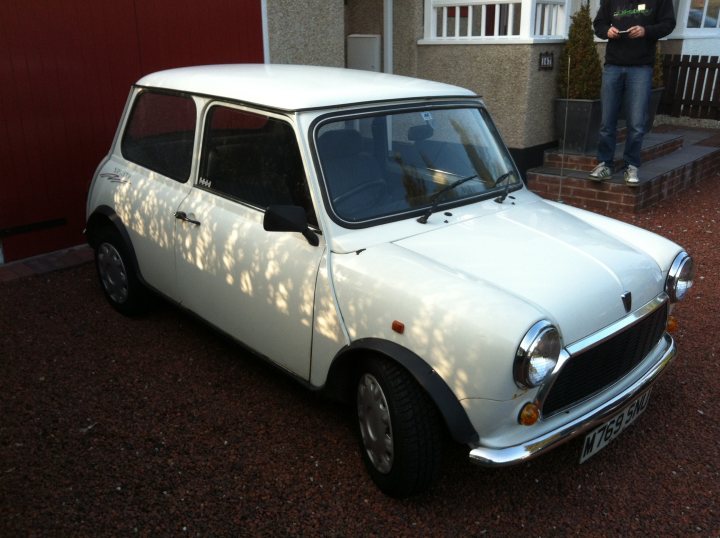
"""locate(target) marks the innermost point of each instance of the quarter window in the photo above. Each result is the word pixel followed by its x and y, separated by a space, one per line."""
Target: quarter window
pixel 160 133
pixel 253 158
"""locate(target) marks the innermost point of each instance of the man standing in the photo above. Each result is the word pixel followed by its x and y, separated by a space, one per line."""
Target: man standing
pixel 632 28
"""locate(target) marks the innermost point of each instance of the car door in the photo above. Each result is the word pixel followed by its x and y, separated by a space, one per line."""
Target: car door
pixel 255 285
pixel 157 147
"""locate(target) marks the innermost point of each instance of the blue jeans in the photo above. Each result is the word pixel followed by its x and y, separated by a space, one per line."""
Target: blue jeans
pixel 630 85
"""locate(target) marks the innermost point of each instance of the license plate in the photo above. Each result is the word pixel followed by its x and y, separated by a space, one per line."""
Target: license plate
pixel 601 436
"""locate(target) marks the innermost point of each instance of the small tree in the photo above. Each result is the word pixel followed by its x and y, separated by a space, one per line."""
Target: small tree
pixel 585 74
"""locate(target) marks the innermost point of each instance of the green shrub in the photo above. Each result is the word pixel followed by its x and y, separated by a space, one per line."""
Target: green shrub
pixel 585 72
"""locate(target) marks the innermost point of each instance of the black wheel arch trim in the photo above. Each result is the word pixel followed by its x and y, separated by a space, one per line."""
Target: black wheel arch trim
pixel 456 419
pixel 106 213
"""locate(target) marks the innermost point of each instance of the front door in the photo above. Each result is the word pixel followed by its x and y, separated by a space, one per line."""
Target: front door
pixel 257 286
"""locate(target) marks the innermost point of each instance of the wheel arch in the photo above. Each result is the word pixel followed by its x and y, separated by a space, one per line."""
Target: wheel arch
pixel 105 217
pixel 342 374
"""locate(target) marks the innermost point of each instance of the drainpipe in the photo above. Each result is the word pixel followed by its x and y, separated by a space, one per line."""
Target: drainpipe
pixel 265 32
pixel 388 36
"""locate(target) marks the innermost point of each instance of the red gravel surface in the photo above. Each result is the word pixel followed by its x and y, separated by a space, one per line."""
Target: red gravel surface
pixel 158 426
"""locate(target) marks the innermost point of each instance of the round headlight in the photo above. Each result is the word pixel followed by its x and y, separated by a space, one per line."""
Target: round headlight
pixel 680 277
pixel 537 355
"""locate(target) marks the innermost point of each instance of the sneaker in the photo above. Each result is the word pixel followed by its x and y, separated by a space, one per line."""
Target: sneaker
pixel 631 176
pixel 600 172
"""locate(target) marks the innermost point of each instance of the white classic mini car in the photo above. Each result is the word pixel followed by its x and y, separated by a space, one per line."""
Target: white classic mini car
pixel 371 235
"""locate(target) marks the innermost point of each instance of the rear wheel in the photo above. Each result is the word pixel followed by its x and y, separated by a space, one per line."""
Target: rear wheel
pixel 119 281
pixel 400 429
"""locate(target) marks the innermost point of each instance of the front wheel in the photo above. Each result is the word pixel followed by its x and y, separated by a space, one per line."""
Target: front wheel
pixel 400 429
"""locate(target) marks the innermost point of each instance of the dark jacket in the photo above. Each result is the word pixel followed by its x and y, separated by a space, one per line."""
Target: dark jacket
pixel 656 16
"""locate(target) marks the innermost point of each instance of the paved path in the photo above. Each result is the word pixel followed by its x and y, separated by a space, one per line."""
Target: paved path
pixel 44 263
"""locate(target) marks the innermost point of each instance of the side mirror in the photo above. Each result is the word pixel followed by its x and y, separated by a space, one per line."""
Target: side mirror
pixel 289 218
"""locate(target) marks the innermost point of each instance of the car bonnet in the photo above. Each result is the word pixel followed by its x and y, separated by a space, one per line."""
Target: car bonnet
pixel 558 263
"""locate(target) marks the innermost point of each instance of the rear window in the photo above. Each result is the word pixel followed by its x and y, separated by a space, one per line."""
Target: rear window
pixel 160 134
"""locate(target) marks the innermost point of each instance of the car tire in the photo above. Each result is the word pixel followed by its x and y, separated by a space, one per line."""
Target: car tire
pixel 117 274
pixel 400 429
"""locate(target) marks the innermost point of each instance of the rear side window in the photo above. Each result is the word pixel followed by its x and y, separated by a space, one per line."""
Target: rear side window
pixel 159 134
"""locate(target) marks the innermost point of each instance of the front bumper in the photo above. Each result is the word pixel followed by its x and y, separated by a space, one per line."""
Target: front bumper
pixel 498 457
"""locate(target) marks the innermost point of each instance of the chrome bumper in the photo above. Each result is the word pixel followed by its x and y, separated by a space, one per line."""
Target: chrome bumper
pixel 498 457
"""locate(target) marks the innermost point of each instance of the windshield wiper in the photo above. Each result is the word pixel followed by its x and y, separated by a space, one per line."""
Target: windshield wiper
pixel 434 198
pixel 504 177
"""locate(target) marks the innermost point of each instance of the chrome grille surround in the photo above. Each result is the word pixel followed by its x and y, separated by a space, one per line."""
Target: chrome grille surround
pixel 590 365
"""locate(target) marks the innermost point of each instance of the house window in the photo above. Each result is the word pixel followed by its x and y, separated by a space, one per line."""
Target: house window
pixel 492 20
pixel 453 21
pixel 704 14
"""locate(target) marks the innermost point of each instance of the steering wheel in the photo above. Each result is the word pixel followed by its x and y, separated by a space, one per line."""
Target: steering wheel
pixel 372 192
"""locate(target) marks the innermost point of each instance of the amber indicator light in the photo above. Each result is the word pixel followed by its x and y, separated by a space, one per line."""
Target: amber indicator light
pixel 529 414
pixel 672 324
pixel 398 327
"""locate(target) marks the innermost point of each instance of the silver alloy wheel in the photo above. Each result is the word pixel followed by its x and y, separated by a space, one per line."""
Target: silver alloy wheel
pixel 375 423
pixel 112 272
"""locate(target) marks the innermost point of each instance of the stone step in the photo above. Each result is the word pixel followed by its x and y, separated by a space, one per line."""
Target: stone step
pixel 655 145
pixel 660 178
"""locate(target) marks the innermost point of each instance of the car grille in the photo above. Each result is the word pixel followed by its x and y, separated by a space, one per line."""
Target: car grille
pixel 600 366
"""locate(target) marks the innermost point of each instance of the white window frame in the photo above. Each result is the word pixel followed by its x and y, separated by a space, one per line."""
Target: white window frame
pixel 682 11
pixel 532 13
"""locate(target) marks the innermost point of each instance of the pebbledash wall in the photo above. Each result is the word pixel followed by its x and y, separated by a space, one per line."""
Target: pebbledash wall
pixel 519 96
pixel 308 32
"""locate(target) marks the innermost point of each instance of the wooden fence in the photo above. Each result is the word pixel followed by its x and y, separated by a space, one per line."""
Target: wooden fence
pixel 692 86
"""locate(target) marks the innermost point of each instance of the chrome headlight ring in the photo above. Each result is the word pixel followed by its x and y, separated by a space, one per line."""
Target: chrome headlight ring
pixel 680 277
pixel 537 355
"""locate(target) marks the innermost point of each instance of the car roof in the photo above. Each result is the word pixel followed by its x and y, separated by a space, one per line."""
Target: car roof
pixel 297 87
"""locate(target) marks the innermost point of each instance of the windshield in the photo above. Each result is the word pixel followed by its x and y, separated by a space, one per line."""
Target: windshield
pixel 391 164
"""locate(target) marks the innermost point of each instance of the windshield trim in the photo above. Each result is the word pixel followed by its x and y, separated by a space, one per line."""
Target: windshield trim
pixel 469 103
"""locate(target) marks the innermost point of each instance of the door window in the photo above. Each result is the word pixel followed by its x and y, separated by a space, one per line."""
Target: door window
pixel 253 158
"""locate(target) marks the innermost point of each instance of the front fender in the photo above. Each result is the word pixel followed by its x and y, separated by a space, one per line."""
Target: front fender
pixel 466 330
pixel 453 413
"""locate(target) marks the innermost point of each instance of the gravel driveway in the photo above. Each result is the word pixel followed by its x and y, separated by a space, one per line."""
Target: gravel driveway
pixel 158 426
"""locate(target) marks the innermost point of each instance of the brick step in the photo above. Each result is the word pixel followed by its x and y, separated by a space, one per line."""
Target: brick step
pixel 655 145
pixel 660 178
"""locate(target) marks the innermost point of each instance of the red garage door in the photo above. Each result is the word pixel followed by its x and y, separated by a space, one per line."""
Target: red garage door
pixel 65 72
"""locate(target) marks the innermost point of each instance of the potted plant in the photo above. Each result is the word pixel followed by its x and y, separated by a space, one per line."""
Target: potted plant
pixel 578 110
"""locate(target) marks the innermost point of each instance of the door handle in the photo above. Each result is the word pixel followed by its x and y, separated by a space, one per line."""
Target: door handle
pixel 183 216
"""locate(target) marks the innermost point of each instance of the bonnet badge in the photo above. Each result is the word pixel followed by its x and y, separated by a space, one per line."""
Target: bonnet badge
pixel 627 300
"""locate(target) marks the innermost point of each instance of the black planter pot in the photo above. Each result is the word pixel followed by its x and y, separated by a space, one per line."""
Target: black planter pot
pixel 577 124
